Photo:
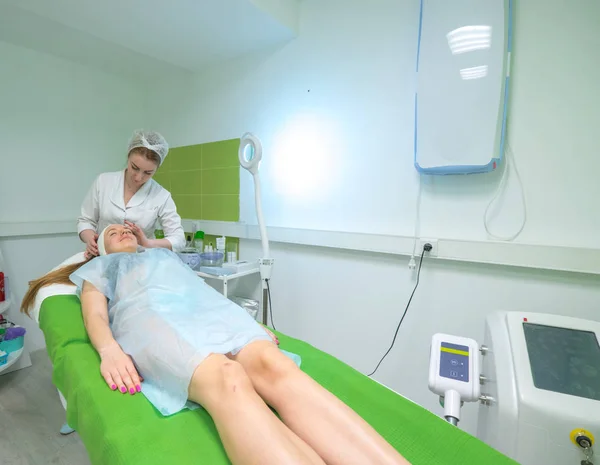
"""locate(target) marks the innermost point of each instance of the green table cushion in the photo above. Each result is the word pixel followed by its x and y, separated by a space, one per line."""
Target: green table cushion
pixel 121 429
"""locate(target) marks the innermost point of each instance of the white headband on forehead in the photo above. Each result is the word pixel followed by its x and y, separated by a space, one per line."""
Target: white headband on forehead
pixel 101 246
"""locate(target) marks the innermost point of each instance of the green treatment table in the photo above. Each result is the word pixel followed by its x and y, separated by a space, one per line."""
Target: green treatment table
pixel 126 430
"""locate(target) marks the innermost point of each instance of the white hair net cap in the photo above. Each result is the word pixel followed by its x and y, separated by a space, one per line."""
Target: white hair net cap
pixel 150 140
pixel 101 244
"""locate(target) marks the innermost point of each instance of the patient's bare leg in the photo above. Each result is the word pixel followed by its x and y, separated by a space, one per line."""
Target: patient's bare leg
pixel 249 430
pixel 331 428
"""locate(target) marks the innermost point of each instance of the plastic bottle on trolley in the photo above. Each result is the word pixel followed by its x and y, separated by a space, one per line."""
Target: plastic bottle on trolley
pixel 4 290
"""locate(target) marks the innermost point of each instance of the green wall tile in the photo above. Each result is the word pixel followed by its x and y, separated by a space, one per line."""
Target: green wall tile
pixel 221 207
pixel 221 181
pixel 186 182
pixel 186 158
pixel 189 206
pixel 222 154
pixel 164 179
pixel 163 169
pixel 204 180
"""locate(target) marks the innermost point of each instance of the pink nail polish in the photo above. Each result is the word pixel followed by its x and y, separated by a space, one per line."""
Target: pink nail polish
pixel 138 388
pixel 113 387
pixel 131 391
pixel 123 389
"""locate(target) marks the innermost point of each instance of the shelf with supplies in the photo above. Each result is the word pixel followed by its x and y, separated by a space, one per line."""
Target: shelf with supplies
pixel 13 357
pixel 12 340
pixel 228 273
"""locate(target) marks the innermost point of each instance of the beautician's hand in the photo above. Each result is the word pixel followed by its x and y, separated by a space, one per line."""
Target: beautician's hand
pixel 138 233
pixel 118 370
pixel 270 333
pixel 91 242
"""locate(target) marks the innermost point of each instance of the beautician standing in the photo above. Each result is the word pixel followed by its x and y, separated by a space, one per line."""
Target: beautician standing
pixel 133 198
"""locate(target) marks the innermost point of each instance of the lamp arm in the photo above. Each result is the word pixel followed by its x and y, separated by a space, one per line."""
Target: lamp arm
pixel 265 263
pixel 259 215
pixel 251 162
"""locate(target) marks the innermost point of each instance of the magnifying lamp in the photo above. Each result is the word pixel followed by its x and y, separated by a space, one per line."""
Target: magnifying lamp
pixel 250 155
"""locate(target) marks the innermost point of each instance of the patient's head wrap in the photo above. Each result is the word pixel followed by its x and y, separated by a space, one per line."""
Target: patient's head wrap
pixel 101 246
pixel 150 140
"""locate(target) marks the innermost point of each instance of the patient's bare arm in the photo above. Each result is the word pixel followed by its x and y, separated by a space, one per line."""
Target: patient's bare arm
pixel 116 366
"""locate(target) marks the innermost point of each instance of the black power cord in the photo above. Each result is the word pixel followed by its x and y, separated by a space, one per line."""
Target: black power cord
pixel 426 248
pixel 270 304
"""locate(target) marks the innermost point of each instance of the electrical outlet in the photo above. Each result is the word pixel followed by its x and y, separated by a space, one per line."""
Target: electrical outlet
pixel 434 244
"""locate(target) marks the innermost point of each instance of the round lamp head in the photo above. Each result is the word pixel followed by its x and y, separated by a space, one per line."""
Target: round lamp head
pixel 250 152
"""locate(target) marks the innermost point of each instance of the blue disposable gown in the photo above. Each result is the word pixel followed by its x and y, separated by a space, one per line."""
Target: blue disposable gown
pixel 167 319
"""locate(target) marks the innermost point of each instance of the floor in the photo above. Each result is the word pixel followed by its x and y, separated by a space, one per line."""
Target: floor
pixel 30 417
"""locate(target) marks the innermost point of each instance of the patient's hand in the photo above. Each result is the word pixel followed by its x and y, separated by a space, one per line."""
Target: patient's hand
pixel 270 333
pixel 118 370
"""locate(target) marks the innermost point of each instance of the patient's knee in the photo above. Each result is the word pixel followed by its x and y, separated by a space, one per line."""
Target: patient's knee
pixel 274 367
pixel 233 377
pixel 223 380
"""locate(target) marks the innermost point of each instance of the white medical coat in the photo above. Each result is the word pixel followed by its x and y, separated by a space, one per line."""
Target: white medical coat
pixel 104 204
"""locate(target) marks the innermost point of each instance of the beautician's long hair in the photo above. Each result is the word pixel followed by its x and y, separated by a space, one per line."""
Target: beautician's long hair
pixel 59 276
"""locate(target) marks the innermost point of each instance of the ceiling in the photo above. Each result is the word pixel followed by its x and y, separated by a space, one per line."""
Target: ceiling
pixel 141 36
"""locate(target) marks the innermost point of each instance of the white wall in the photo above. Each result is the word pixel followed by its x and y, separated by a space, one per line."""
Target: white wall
pixel 356 126
pixel 336 82
pixel 61 124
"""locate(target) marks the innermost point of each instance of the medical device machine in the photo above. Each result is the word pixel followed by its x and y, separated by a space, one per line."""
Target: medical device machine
pixel 454 372
pixel 540 388
pixel 250 155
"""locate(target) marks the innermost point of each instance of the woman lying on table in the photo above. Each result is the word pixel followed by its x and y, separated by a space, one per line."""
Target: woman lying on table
pixel 190 342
